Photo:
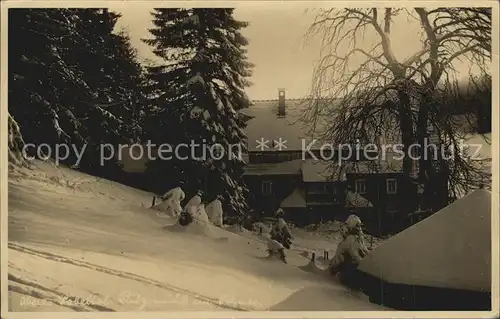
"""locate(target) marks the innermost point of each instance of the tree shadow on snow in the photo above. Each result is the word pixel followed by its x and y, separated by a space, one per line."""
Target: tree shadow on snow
pixel 316 298
pixel 273 267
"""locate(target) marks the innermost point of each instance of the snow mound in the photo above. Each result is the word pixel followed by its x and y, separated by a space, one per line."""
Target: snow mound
pixel 196 228
pixel 265 228
pixel 331 231
pixel 201 225
pixel 169 206
pixel 274 245
pixel 192 228
pixel 215 213
pixel 237 229
pixel 313 268
pixel 320 298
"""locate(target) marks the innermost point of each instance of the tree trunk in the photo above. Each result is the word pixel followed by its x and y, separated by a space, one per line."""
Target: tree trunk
pixel 425 172
pixel 433 177
pixel 406 126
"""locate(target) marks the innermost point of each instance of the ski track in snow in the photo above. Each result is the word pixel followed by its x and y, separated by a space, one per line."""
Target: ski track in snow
pixel 40 292
pixel 73 235
pixel 126 275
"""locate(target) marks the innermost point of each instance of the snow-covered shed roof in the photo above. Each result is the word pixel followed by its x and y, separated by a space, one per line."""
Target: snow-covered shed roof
pixel 292 128
pixel 450 249
pixel 355 200
pixel 296 199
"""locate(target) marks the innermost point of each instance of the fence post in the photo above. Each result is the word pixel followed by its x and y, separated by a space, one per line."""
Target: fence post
pixel 313 256
pixel 325 255
pixel 154 199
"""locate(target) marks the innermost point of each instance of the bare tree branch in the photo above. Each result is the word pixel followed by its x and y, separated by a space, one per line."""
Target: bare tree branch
pixel 380 96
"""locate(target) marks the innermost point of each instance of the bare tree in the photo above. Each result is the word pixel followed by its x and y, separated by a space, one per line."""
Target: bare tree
pixel 470 101
pixel 383 98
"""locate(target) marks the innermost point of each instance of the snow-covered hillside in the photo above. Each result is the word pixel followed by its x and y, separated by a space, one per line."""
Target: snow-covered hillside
pixel 77 242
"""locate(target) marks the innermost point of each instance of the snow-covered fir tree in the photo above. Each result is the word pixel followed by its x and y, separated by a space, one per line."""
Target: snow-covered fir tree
pixel 73 79
pixel 199 91
pixel 43 87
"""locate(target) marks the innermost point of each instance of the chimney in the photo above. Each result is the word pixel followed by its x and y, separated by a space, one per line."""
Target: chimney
pixel 281 103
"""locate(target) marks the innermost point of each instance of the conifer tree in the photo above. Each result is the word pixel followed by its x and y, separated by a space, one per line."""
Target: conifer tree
pixel 199 92
pixel 73 79
pixel 44 91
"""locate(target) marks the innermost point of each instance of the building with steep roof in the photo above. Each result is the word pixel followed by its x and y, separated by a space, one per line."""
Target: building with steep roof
pixel 446 265
pixel 292 166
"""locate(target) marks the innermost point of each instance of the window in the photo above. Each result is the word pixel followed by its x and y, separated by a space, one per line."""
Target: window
pixel 360 186
pixel 318 189
pixel 392 186
pixel 267 188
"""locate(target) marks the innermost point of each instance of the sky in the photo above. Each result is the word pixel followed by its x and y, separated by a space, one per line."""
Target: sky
pixel 277 48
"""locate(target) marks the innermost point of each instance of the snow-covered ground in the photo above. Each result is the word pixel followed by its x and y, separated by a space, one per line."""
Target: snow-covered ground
pixel 81 243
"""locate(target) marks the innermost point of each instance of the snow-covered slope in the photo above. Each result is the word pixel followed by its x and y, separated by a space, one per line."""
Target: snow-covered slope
pixel 77 242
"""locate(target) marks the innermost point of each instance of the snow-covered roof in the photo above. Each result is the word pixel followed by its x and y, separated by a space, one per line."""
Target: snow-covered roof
pixel 320 171
pixel 291 128
pixel 355 200
pixel 450 249
pixel 295 199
